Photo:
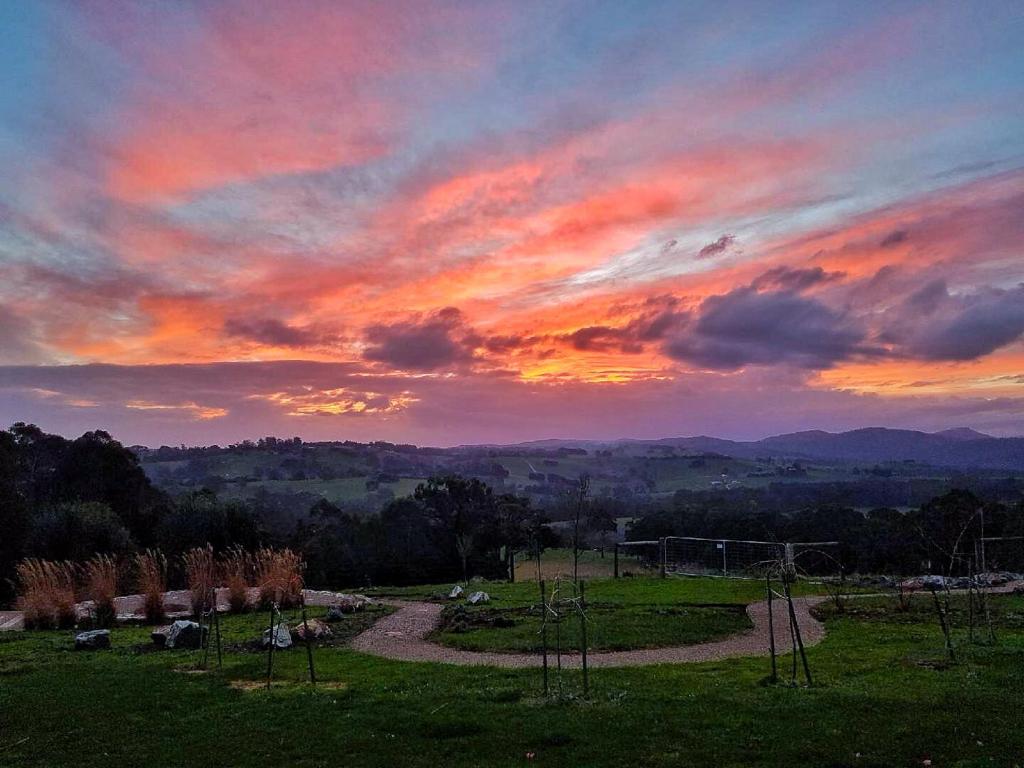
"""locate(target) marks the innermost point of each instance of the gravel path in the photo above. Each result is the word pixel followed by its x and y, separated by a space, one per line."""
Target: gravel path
pixel 402 636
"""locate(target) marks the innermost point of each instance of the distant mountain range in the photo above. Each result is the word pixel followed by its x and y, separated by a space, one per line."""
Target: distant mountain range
pixel 960 448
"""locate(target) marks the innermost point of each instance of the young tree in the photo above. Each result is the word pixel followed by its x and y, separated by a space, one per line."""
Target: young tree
pixel 579 501
pixel 460 506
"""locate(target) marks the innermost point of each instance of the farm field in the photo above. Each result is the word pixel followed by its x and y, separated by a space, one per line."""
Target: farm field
pixel 883 696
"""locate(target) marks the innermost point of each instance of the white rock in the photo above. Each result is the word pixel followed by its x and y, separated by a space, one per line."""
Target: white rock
pixel 185 634
pixel 479 597
pixel 455 593
pixel 92 640
pixel 282 637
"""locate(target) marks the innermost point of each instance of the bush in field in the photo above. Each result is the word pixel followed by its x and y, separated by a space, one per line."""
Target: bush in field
pixel 151 580
pixel 236 570
pixel 201 574
pixel 278 576
pixel 101 587
pixel 46 593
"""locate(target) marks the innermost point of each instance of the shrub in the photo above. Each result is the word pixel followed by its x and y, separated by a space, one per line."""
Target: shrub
pixel 201 574
pixel 151 580
pixel 279 576
pixel 101 587
pixel 236 570
pixel 47 593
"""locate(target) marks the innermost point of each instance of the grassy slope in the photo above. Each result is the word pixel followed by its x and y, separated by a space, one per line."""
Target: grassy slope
pixel 872 698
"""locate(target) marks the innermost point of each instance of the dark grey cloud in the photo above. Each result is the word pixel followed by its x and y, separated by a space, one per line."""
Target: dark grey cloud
pixel 716 248
pixel 422 343
pixel 931 323
pixel 276 333
pixel 603 338
pixel 795 279
pixel 895 237
pixel 980 325
pixel 749 327
pixel 656 318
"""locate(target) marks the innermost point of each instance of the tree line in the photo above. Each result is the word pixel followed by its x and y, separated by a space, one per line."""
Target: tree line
pixel 68 500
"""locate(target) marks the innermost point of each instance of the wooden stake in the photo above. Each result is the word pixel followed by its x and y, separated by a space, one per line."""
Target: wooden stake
pixel 583 640
pixel 544 630
pixel 944 626
pixel 771 626
pixel 309 646
pixel 202 662
pixel 216 626
pixel 270 650
pixel 796 631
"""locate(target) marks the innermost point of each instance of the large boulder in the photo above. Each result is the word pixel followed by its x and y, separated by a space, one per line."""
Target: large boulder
pixel 93 640
pixel 479 597
pixel 318 630
pixel 282 637
pixel 456 592
pixel 185 634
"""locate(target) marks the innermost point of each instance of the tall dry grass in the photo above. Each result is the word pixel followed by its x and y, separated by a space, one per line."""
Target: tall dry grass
pixel 101 587
pixel 236 574
pixel 151 581
pixel 278 576
pixel 46 593
pixel 201 575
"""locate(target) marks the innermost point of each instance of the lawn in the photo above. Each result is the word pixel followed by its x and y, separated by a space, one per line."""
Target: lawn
pixel 879 699
pixel 609 627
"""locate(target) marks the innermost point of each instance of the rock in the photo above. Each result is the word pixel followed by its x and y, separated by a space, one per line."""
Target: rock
pixel 479 597
pixel 455 593
pixel 185 634
pixel 318 630
pixel 93 640
pixel 997 579
pixel 346 604
pixel 159 636
pixel 282 637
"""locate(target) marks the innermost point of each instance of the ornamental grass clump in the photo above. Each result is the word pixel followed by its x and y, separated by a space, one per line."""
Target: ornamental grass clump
pixel 100 575
pixel 279 576
pixel 201 575
pixel 151 581
pixel 236 574
pixel 46 593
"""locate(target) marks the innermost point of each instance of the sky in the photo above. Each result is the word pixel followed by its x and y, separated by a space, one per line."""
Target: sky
pixel 470 222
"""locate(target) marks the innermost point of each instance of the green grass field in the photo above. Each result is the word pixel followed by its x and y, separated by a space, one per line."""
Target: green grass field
pixel 881 697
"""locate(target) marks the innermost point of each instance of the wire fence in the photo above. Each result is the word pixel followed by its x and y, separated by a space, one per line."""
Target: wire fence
pixel 735 558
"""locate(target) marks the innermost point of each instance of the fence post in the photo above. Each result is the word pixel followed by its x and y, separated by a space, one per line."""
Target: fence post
pixel 771 625
pixel 796 631
pixel 544 633
pixel 270 649
pixel 725 563
pixel 616 571
pixel 583 639
pixel 216 626
pixel 662 556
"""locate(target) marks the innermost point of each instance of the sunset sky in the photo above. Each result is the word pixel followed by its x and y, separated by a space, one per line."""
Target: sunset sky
pixel 493 222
